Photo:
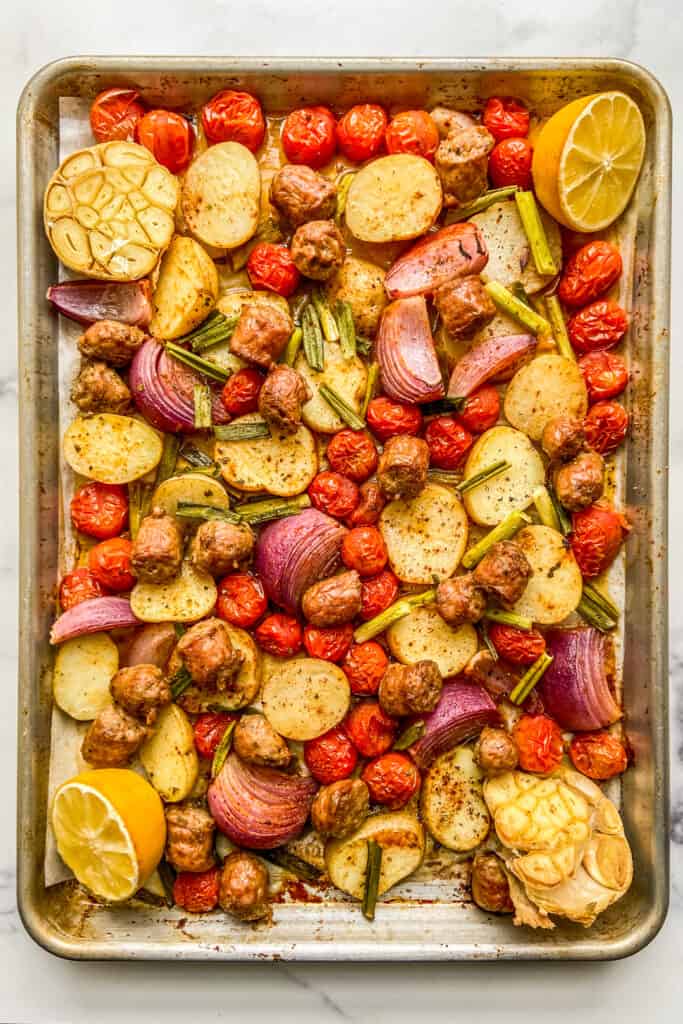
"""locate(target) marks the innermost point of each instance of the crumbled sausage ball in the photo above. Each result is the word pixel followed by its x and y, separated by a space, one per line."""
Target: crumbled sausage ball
pixel 563 438
pixel 256 742
pixel 261 334
pixel 490 887
pixel 219 548
pixel 334 601
pixel 340 808
pixel 112 739
pixel 244 887
pixel 495 751
pixel 189 837
pixel 460 600
pixel 461 162
pixel 281 397
pixel 98 388
pixel 464 306
pixel 208 654
pixel 157 549
pixel 403 465
pixel 580 482
pixel 318 249
pixel 410 689
pixel 504 571
pixel 141 690
pixel 300 194
pixel 109 340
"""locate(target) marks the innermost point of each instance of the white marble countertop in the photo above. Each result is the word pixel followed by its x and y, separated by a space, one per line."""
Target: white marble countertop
pixel 36 988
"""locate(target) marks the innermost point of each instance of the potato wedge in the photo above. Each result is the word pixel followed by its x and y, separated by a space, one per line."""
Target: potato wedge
pixel 510 258
pixel 84 668
pixel 111 449
pixel 451 803
pixel 393 198
pixel 361 284
pixel 186 290
pixel 282 464
pixel 345 376
pixel 246 686
pixel 221 195
pixel 191 487
pixel 169 756
pixel 554 590
pixel 423 635
pixel 402 839
pixel 489 503
pixel 426 536
pixel 188 597
pixel 305 698
pixel 548 386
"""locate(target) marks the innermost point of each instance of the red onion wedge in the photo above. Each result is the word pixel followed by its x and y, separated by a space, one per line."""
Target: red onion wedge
pixel 486 360
pixel 86 302
pixel 498 680
pixel 406 354
pixel 294 553
pixel 259 808
pixel 95 615
pixel 163 390
pixel 150 645
pixel 462 712
pixel 451 252
pixel 574 689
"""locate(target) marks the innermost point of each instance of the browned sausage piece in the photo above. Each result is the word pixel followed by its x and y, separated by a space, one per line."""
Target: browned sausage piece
pixel 219 548
pixel 580 482
pixel 299 194
pixel 490 888
pixel 464 306
pixel 318 249
pixel 340 808
pixel 141 691
pixel 410 689
pixel 495 751
pixel 261 334
pixel 109 340
pixel 369 508
pixel 334 601
pixel 280 399
pixel 244 887
pixel 403 465
pixel 98 388
pixel 112 739
pixel 563 438
pixel 189 837
pixel 157 549
pixel 448 121
pixel 460 600
pixel 256 742
pixel 208 655
pixel 504 571
pixel 461 161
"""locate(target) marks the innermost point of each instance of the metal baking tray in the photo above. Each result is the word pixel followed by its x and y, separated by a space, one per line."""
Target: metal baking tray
pixel 60 918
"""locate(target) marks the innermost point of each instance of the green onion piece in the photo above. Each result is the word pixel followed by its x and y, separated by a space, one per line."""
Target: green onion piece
pixel 196 458
pixel 494 195
pixel 344 411
pixel 196 363
pixel 487 640
pixel 342 195
pixel 180 629
pixel 167 876
pixel 314 345
pixel 595 613
pixel 257 512
pixel 134 507
pixel 293 346
pixel 372 873
pixel 363 345
pixel 398 610
pixel 506 301
pixel 325 315
pixel 202 407
pixel 601 601
pixel 546 509
pixel 298 305
pixel 449 477
pixel 409 736
pixel 216 328
pixel 559 327
pixel 223 749
pixel 444 406
pixel 292 864
pixel 347 329
pixel 239 431
pixel 530 678
pixel 169 457
pixel 535 232
pixel 370 388
pixel 495 469
pixel 180 682
pixel 563 519
pixel 520 292
pixel 192 510
pixel 509 619
pixel 508 528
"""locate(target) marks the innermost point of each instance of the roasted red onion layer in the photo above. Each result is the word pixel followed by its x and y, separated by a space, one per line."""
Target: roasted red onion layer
pixel 294 553
pixel 574 689
pixel 86 302
pixel 452 252
pixel 406 354
pixel 95 615
pixel 462 712
pixel 163 390
pixel 486 360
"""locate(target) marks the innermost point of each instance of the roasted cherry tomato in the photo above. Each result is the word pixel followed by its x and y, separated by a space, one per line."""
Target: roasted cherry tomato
pixel 413 131
pixel 79 585
pixel 100 510
pixel 364 550
pixel 377 593
pixel 539 740
pixel 168 136
pixel 481 411
pixel 109 562
pixel 232 116
pixel 510 163
pixel 598 326
pixel 241 599
pixel 505 118
pixel 605 374
pixel 271 266
pixel 370 729
pixel 364 665
pixel 589 273
pixel 516 645
pixel 334 494
pixel 280 634
pixel 309 136
pixel 448 442
pixel 197 891
pixel 360 132
pixel 240 392
pixel 370 506
pixel 352 453
pixel 329 643
pixel 387 418
pixel 330 757
pixel 597 534
pixel 606 426
pixel 209 730
pixel 598 755
pixel 115 113
pixel 392 779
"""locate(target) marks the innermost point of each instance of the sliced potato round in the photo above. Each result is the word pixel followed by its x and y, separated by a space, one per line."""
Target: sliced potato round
pixel 345 376
pixel 402 839
pixel 451 803
pixel 84 668
pixel 111 449
pixel 426 536
pixel 282 464
pixel 423 635
pixel 510 258
pixel 194 488
pixel 548 386
pixel 169 756
pixel 186 290
pixel 305 698
pixel 393 198
pixel 188 597
pixel 242 692
pixel 554 590
pixel 221 195
pixel 489 503
pixel 361 284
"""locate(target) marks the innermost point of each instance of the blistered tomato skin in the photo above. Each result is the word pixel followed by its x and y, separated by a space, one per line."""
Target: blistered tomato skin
pixel 169 138
pixel 114 115
pixel 516 645
pixel 271 267
pixel 232 116
pixel 209 729
pixel 330 757
pixel 590 272
pixel 241 599
pixel 334 494
pixel 597 326
pixel 364 665
pixel 606 426
pixel 364 550
pixel 329 643
pixel 280 634
pixel 377 593
pixel 505 118
pixel 309 136
pixel 197 891
pixel 598 755
pixel 109 562
pixel 510 163
pixel 387 418
pixel 448 442
pixel 370 729
pixel 100 510
pixel 605 374
pixel 79 585
pixel 360 132
pixel 413 131
pixel 240 392
pixel 539 741
pixel 481 411
pixel 353 454
pixel 392 780
pixel 597 534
